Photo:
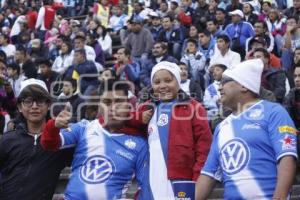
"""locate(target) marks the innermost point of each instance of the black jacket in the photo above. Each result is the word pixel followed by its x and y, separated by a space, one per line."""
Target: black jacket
pixel 28 172
pixel 292 104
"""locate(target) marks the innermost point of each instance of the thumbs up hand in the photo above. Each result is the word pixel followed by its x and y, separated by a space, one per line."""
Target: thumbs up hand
pixel 63 118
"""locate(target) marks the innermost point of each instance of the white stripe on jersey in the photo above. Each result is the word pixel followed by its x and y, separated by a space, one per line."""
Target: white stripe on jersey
pixel 95 191
pixel 247 181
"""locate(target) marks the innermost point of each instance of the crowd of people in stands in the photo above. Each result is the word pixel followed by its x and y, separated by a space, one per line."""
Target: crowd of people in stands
pixel 71 56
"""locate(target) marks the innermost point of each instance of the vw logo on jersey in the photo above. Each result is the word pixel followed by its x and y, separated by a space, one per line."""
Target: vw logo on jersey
pixel 97 169
pixel 234 155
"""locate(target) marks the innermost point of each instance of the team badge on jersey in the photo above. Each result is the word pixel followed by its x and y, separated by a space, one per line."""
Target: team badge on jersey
pixel 97 169
pixel 162 120
pixel 256 114
pixel 234 155
pixel 288 143
pixel 130 144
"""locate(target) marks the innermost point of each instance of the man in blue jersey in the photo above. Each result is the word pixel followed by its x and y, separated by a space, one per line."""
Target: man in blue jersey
pixel 254 149
pixel 105 159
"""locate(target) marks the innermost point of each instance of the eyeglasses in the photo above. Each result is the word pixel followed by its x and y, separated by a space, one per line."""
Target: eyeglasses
pixel 28 102
pixel 225 80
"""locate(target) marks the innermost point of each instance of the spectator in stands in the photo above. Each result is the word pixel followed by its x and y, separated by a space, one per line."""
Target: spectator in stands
pixel 192 34
pixel 249 16
pixel 155 27
pixel 235 5
pixel 159 53
pixel 223 54
pixel 163 9
pixel 221 17
pixel 175 121
pixel 200 13
pixel 196 62
pixel 260 42
pixel 101 12
pixel 105 40
pixel 107 73
pixel 70 94
pixel 261 30
pixel 79 43
pixel 126 68
pixel 189 86
pixel 64 60
pixel 15 78
pixel 293 11
pixel 185 13
pixel 211 99
pixel 92 27
pixel 44 20
pixel 91 40
pixel 5 46
pixel 276 26
pixel 272 79
pixel 266 6
pixel 262 130
pixel 38 50
pixel 172 36
pixel 239 31
pixel 213 27
pixel 46 74
pixel 292 34
pixel 207 44
pixel 118 19
pixel 139 41
pixel 28 68
pixel 292 100
pixel 114 109
pixel 16 155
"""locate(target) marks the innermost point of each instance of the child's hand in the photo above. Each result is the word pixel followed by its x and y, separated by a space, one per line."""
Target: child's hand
pixel 147 115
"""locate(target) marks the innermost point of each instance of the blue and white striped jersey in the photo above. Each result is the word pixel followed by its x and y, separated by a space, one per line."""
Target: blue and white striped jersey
pixel 104 163
pixel 246 150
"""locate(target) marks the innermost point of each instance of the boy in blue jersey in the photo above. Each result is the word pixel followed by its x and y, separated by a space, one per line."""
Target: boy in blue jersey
pixel 105 159
pixel 254 149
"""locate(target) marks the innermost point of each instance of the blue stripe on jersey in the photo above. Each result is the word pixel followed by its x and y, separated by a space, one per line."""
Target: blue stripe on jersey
pixel 246 150
pixel 164 111
pixel 103 163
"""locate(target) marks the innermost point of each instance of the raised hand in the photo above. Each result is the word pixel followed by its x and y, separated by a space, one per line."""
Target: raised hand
pixel 63 118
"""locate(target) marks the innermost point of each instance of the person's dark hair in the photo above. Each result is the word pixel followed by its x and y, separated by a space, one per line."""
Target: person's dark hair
pixel 182 63
pixel 21 49
pixel 191 40
pixel 3 55
pixel 127 51
pixel 224 37
pixel 72 81
pixel 69 45
pixel 264 51
pixel 35 91
pixel 6 37
pixel 40 61
pixel 112 71
pixel 223 67
pixel 114 85
pixel 251 7
pixel 104 30
pixel 265 26
pixel 221 10
pixel 14 66
pixel 79 37
pixel 169 17
pixel 80 51
pixel 163 45
pixel 205 32
pixel 213 20
pixel 293 17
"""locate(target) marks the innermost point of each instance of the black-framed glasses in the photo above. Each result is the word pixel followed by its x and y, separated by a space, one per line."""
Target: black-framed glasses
pixel 225 80
pixel 28 102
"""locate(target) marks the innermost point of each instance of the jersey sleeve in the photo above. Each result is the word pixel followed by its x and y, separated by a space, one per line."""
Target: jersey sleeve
pixel 212 166
pixel 71 136
pixel 282 132
pixel 140 165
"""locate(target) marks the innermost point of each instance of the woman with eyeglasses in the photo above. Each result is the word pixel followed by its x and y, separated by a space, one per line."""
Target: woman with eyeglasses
pixel 27 171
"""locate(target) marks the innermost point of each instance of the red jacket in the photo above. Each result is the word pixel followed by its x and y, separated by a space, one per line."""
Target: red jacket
pixel 189 138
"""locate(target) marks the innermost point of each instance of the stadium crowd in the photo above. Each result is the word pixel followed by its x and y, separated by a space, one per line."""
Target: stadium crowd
pixel 185 69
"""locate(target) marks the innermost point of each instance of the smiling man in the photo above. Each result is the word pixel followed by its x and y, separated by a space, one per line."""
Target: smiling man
pixel 254 149
pixel 105 158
